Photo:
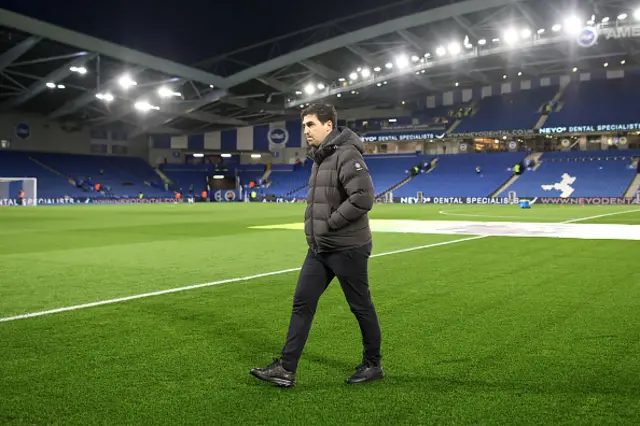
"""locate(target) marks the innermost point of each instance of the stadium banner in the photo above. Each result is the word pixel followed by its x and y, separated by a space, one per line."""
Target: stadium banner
pixel 590 129
pixel 455 200
pixel 495 133
pixel 274 199
pixel 400 136
pixel 593 201
pixel 15 202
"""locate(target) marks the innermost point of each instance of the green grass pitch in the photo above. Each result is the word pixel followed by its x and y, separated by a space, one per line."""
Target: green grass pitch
pixel 498 330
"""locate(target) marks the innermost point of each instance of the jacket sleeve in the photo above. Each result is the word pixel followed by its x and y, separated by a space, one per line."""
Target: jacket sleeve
pixel 356 181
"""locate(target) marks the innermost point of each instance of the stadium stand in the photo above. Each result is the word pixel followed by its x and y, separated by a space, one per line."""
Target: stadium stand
pixel 50 184
pixel 588 174
pixel 456 176
pixel 582 103
pixel 286 180
pixel 93 169
pixel 185 177
pixel 519 110
pixel 386 172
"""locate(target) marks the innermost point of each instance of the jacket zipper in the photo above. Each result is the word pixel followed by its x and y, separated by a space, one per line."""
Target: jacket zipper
pixel 313 194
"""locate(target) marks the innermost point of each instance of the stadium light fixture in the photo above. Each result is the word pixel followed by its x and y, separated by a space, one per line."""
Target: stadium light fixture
pixel 107 97
pixel 198 155
pixel 145 106
pixel 377 69
pixel 341 80
pixel 225 155
pixel 574 69
pixel 256 155
pixel 572 25
pixel 525 33
pixel 79 70
pixel 51 85
pixel 353 76
pixel 454 48
pixel 556 28
pixel 482 42
pixel 605 19
pixel 309 89
pixel 388 65
pixel 622 17
pixel 402 61
pixel 165 92
pixel 636 14
pixel 427 55
pixel 320 86
pixel 622 62
pixel 415 58
pixel 126 81
pixel 540 31
pixel 441 51
pixel 457 84
pixel 298 92
pixel 366 73
pixel 519 73
pixel 379 84
pixel 496 40
pixel 606 64
pixel 339 95
pixel 217 177
pixel 61 86
pixel 504 77
pixel 510 36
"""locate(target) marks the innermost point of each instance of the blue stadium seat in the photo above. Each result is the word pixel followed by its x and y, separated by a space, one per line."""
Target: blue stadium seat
pixel 595 176
pixel 518 110
pixel 582 103
pixel 455 175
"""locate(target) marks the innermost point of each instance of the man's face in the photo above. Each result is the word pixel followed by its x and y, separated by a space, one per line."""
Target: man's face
pixel 314 130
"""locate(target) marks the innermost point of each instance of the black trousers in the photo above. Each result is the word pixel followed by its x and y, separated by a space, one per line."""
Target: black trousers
pixel 318 270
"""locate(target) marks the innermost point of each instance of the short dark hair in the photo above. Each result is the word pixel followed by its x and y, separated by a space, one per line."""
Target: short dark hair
pixel 324 112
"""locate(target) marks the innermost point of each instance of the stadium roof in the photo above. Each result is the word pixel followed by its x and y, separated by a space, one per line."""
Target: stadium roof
pixel 380 57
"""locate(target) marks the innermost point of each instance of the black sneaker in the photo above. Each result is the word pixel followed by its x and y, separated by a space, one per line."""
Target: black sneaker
pixel 368 371
pixel 275 373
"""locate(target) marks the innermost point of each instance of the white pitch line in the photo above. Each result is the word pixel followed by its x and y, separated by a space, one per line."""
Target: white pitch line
pixel 196 286
pixel 256 276
pixel 599 216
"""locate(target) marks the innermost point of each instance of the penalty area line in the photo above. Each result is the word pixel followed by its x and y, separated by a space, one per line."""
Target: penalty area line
pixel 210 284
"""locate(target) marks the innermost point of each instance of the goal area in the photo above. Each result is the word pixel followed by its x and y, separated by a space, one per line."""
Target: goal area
pixel 12 187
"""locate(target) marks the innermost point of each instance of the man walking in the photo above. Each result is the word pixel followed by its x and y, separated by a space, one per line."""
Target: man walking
pixel 337 228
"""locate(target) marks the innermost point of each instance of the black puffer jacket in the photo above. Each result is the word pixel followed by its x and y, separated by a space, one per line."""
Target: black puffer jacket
pixel 340 194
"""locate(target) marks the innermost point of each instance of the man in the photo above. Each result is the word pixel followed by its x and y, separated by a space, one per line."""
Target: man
pixel 337 229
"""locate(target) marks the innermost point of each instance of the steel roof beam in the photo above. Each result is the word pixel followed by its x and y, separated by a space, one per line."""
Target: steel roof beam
pixel 8 57
pixel 276 84
pixel 90 96
pixel 320 69
pixel 414 40
pixel 85 42
pixel 179 110
pixel 467 26
pixel 40 86
pixel 409 21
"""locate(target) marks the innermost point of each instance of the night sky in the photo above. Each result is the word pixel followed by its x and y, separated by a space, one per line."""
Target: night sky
pixel 187 31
